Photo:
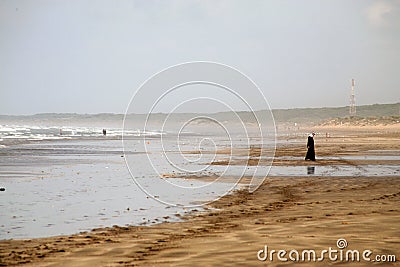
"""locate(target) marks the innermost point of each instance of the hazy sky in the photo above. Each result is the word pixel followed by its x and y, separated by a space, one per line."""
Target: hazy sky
pixel 91 56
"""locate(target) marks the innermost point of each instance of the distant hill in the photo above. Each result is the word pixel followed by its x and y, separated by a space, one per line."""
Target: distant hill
pixel 297 115
pixel 316 115
pixel 362 121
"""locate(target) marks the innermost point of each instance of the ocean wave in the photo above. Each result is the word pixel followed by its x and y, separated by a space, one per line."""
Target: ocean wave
pixel 51 132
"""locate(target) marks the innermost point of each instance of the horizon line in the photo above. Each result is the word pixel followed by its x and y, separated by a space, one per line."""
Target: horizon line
pixel 113 113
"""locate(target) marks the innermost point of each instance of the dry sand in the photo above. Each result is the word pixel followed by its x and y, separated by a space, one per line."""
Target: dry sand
pixel 285 213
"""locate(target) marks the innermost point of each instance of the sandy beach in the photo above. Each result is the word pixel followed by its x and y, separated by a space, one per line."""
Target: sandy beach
pixel 199 133
pixel 305 212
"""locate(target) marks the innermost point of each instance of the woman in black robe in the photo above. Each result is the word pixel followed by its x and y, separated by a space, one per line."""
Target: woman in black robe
pixel 310 146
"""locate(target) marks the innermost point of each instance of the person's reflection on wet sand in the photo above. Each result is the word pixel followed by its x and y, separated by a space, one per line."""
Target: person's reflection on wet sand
pixel 310 170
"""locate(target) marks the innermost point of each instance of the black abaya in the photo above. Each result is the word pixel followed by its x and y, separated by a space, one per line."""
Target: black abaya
pixel 310 152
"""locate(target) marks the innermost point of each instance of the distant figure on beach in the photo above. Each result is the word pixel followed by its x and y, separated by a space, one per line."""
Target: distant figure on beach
pixel 310 146
pixel 104 132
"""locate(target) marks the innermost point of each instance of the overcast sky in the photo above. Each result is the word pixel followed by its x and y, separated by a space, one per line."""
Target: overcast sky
pixel 91 56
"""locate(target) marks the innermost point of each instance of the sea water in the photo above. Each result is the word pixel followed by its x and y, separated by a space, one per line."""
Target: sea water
pixel 78 180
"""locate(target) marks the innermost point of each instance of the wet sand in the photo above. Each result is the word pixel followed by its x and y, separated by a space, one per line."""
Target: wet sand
pixel 300 213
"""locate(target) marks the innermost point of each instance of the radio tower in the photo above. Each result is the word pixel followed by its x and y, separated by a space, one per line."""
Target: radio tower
pixel 352 110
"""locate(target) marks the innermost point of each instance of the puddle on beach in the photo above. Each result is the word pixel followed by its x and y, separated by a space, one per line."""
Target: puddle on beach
pixel 336 170
pixel 331 170
pixel 348 157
